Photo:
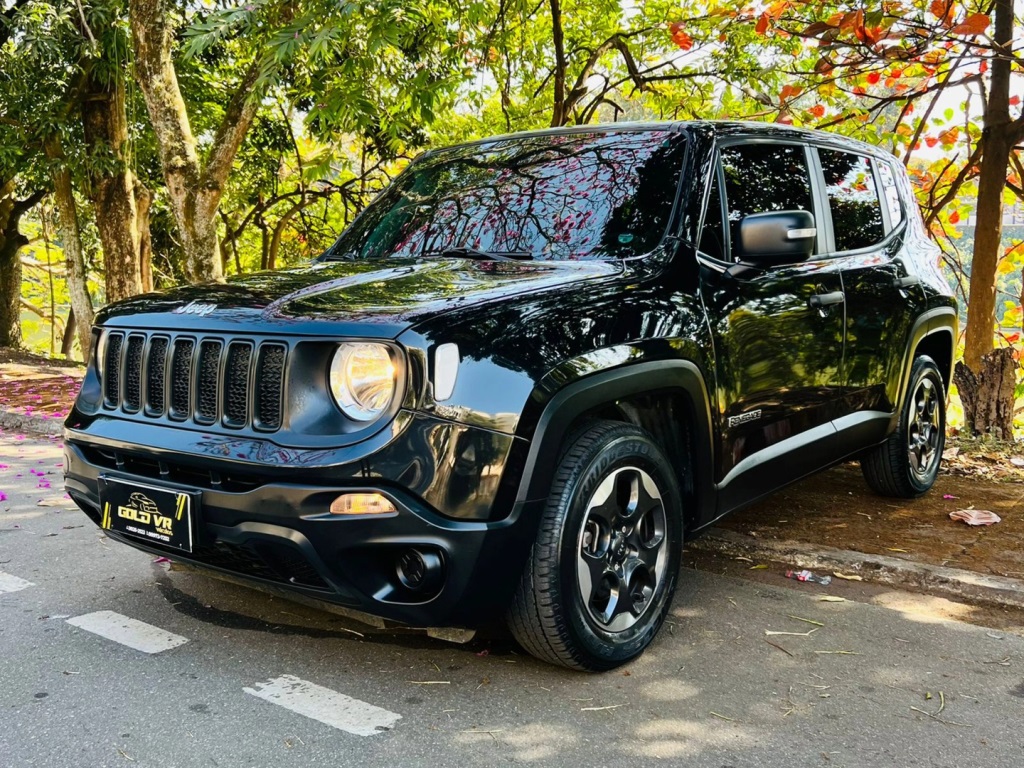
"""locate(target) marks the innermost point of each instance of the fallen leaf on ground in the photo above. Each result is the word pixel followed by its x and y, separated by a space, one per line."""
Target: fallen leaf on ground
pixel 975 516
pixel 832 599
pixel 847 576
pixel 55 501
pixel 770 633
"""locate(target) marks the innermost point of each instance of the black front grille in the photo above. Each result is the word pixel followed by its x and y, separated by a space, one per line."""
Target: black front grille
pixel 209 372
pixel 236 394
pixel 156 375
pixel 112 370
pixel 181 378
pixel 133 373
pixel 270 384
pixel 210 379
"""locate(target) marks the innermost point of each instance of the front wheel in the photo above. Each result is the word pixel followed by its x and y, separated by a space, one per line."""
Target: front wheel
pixel 603 569
pixel 907 463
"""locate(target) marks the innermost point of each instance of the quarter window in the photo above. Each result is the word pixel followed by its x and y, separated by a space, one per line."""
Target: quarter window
pixel 853 199
pixel 892 194
pixel 764 177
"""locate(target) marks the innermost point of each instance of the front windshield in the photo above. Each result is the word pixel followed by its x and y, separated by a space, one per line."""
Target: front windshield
pixel 553 197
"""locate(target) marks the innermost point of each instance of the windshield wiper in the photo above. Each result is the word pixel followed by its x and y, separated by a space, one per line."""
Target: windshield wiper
pixel 465 252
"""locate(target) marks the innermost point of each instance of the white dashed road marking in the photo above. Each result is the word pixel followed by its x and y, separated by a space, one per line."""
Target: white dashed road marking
pixel 10 583
pixel 135 634
pixel 327 706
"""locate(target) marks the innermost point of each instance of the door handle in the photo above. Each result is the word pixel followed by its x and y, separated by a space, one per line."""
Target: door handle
pixel 907 281
pixel 821 300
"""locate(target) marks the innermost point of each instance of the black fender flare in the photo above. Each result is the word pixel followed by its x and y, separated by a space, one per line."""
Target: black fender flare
pixel 605 387
pixel 938 320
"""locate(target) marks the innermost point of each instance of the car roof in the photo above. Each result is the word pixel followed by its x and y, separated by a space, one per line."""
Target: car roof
pixel 709 128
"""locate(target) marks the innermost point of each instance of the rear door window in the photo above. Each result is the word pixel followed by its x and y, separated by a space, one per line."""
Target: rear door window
pixel 853 199
pixel 764 177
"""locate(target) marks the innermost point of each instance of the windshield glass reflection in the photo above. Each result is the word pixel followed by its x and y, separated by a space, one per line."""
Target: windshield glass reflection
pixel 553 197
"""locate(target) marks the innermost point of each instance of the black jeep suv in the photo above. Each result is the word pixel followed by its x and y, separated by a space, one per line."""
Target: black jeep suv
pixel 528 371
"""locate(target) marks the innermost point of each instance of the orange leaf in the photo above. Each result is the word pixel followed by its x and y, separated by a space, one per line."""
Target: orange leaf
pixel 1014 101
pixel 683 40
pixel 943 10
pixel 874 77
pixel 817 110
pixel 789 92
pixel 931 141
pixel 983 67
pixel 954 217
pixel 975 24
pixel 762 24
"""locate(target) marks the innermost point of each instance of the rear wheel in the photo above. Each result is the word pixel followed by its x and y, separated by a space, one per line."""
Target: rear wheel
pixel 603 568
pixel 907 463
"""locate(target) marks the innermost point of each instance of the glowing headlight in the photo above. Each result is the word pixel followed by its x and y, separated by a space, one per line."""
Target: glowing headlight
pixel 363 380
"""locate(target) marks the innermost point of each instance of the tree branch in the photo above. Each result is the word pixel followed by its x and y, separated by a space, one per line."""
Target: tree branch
pixel 238 117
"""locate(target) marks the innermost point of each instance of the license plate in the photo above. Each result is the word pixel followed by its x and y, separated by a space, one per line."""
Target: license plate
pixel 157 515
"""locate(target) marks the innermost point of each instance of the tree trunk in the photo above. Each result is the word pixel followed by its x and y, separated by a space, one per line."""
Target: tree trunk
pixel 279 228
pixel 558 111
pixel 998 138
pixel 67 341
pixel 194 188
pixel 71 242
pixel 143 203
pixel 111 190
pixel 988 396
pixel 11 241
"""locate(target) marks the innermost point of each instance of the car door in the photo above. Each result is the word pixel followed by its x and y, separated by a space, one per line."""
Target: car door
pixel 862 233
pixel 777 332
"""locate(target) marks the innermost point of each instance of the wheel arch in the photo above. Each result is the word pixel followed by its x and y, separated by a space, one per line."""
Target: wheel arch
pixel 667 398
pixel 934 334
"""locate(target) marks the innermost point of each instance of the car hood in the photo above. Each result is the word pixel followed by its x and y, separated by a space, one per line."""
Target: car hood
pixel 375 299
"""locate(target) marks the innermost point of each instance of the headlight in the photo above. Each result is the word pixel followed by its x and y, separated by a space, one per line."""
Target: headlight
pixel 363 380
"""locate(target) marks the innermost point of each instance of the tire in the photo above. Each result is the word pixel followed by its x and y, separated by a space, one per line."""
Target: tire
pixel 906 464
pixel 603 567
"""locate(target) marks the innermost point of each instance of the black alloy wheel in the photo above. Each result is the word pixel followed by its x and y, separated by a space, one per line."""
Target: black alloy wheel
pixel 603 568
pixel 907 463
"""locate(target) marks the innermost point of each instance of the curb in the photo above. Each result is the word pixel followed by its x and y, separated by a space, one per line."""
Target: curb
pixel 36 425
pixel 879 569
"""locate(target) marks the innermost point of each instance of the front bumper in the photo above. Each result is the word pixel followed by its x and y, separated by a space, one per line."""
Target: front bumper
pixel 273 530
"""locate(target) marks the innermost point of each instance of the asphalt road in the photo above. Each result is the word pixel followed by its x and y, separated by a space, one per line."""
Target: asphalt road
pixel 234 677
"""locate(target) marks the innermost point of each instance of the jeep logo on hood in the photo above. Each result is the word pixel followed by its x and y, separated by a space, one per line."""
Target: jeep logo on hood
pixel 194 308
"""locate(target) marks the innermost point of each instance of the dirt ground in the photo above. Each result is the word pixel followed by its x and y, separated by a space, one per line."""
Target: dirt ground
pixel 837 509
pixel 34 385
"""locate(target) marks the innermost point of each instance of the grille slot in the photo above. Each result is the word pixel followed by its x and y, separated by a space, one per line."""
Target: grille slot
pixel 181 378
pixel 236 382
pixel 112 370
pixel 206 384
pixel 156 373
pixel 269 386
pixel 236 391
pixel 133 373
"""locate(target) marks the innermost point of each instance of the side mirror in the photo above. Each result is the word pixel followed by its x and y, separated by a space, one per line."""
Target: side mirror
pixel 777 237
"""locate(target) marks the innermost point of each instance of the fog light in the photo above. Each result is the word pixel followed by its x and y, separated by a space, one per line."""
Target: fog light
pixel 362 504
pixel 419 570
